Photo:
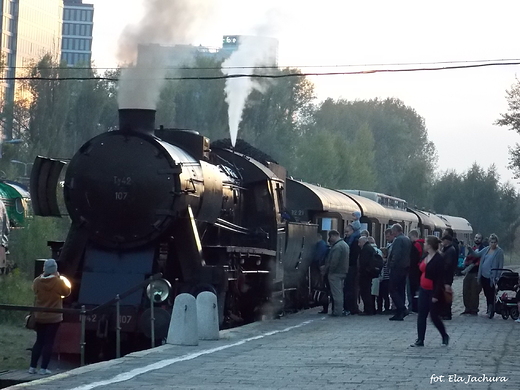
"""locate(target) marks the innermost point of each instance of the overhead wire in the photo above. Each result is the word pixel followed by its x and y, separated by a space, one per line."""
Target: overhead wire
pixel 282 75
pixel 283 66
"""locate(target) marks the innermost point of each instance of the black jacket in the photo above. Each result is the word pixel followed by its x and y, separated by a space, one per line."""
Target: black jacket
pixel 451 261
pixel 437 272
pixel 365 256
pixel 400 254
pixel 354 253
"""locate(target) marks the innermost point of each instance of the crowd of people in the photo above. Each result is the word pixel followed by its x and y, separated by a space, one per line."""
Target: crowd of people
pixel 409 275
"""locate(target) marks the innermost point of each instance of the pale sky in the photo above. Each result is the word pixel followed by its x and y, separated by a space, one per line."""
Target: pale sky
pixel 459 106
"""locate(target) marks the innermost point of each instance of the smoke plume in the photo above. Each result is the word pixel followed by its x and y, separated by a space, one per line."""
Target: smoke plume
pixel 165 22
pixel 252 52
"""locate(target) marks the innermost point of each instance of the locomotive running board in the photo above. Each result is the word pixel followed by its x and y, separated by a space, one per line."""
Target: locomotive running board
pixel 44 182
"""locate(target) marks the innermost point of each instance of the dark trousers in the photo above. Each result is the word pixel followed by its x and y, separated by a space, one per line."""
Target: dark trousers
pixel 426 306
pixel 446 310
pixel 326 286
pixel 489 290
pixel 471 291
pixel 383 298
pixel 350 301
pixel 365 290
pixel 414 283
pixel 398 289
pixel 45 334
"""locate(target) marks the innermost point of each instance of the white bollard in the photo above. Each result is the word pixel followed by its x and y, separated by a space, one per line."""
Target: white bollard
pixel 183 325
pixel 207 316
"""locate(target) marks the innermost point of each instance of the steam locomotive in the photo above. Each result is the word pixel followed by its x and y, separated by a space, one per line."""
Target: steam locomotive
pixel 144 200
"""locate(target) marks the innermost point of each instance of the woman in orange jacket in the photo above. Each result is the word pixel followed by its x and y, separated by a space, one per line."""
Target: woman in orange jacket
pixel 49 289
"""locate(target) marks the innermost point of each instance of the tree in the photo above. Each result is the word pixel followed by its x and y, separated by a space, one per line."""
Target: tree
pixel 511 120
pixel 273 119
pixel 402 158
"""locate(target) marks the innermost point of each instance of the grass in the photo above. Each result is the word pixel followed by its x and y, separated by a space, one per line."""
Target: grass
pixel 14 341
pixel 15 289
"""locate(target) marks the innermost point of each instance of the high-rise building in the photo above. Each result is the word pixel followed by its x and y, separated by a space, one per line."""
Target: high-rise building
pixel 177 54
pixel 29 29
pixel 78 23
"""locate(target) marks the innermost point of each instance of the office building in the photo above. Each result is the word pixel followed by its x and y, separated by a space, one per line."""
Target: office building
pixel 78 23
pixel 29 29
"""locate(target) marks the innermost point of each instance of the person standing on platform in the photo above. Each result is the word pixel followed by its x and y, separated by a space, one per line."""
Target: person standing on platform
pixel 414 275
pixel 399 263
pixel 335 268
pixel 451 261
pixel 48 289
pixel 470 286
pixel 350 303
pixel 491 257
pixel 366 255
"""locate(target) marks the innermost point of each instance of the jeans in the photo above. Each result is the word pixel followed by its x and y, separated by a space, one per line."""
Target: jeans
pixel 426 306
pixel 45 334
pixel 398 289
pixel 336 283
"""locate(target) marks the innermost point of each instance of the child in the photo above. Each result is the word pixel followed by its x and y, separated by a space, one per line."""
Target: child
pixel 384 298
pixel 356 225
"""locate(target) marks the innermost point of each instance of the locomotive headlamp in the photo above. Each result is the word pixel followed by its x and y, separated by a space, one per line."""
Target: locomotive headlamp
pixel 67 283
pixel 158 290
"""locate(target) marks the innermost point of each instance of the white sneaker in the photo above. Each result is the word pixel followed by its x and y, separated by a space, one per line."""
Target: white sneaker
pixel 517 320
pixel 32 370
pixel 44 372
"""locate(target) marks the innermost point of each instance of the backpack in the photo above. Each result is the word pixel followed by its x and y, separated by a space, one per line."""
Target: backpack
pixel 376 265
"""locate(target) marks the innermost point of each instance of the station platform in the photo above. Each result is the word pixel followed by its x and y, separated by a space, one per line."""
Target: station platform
pixel 307 350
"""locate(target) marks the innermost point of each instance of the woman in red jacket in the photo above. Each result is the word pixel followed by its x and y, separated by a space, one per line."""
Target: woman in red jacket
pixel 431 292
pixel 49 289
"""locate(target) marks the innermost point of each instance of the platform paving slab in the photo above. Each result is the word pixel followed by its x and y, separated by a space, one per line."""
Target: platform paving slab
pixel 311 351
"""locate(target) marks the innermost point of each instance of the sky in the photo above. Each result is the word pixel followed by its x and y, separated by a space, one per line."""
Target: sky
pixel 459 106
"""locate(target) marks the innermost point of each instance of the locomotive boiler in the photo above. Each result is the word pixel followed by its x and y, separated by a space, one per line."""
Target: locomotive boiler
pixel 144 200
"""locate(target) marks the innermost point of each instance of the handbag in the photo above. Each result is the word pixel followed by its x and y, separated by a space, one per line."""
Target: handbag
pixel 448 296
pixel 30 322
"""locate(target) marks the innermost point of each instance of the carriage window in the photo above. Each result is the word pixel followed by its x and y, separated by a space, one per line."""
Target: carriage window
pixel 326 224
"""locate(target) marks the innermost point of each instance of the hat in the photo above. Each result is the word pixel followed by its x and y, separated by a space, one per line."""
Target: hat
pixel 356 214
pixel 447 237
pixel 50 267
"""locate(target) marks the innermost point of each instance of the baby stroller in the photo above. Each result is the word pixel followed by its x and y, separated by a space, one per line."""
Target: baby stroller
pixel 505 294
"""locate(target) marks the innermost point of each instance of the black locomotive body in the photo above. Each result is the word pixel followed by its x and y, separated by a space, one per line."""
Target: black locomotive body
pixel 145 201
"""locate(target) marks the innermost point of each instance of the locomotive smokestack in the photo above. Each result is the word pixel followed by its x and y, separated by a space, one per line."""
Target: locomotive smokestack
pixel 137 120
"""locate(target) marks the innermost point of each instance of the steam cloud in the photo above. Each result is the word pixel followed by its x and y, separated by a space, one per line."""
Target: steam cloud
pixel 252 52
pixel 166 22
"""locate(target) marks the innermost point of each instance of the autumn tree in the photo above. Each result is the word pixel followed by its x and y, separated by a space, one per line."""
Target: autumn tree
pixel 511 119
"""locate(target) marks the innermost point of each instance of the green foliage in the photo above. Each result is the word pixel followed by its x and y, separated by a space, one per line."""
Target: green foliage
pixel 384 146
pixel 478 196
pixel 511 119
pixel 15 289
pixel 30 243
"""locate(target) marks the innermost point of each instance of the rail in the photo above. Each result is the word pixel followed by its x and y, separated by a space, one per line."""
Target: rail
pixel 83 313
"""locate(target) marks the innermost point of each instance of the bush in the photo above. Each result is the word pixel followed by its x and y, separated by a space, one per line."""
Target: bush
pixel 30 242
